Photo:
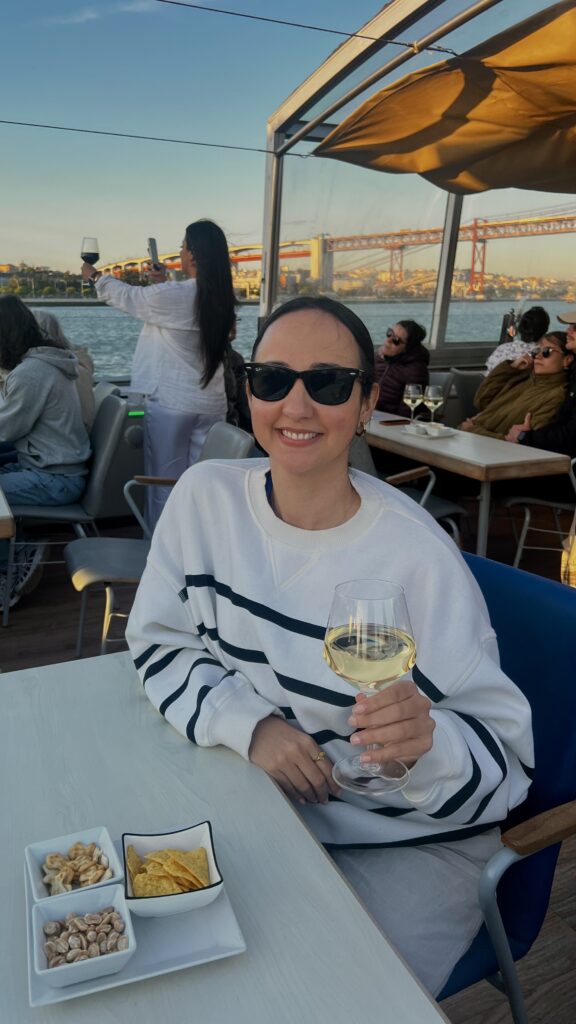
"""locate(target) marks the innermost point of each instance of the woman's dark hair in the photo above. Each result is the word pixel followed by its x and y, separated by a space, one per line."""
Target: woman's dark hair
pixel 215 299
pixel 416 333
pixel 533 324
pixel 561 337
pixel 345 316
pixel 19 331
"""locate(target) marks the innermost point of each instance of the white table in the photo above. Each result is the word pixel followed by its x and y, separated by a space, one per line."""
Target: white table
pixel 82 746
pixel 480 458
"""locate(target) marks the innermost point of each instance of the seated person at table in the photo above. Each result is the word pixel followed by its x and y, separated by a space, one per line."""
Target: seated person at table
pixel 228 625
pixel 534 384
pixel 52 328
pixel 401 360
pixel 40 415
pixel 532 326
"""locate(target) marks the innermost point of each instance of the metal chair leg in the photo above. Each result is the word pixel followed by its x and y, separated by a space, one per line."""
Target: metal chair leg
pixel 522 538
pixel 9 575
pixel 108 615
pixel 490 877
pixel 81 621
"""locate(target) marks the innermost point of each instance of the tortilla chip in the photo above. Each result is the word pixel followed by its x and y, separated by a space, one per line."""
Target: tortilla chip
pixel 145 885
pixel 134 863
pixel 195 864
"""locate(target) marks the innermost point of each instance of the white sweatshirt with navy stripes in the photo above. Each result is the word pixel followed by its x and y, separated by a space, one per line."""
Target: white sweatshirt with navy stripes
pixel 228 627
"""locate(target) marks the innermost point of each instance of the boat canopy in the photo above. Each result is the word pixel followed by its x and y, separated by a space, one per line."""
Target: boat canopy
pixel 501 115
pixel 498 115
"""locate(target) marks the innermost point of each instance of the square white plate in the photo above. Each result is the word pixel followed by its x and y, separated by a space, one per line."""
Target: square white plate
pixel 164 944
pixel 436 435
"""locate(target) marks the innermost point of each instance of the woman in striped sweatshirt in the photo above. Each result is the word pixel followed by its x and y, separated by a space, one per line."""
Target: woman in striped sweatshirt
pixel 228 625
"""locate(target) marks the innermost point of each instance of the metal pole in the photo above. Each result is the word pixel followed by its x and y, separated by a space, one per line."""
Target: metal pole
pixel 271 230
pixel 446 268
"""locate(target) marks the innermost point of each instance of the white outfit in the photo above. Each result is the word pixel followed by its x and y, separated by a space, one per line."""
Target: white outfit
pixel 508 350
pixel 167 367
pixel 227 629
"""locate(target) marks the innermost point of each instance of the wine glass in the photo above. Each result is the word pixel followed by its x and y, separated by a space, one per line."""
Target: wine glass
pixel 433 399
pixel 369 642
pixel 412 397
pixel 90 251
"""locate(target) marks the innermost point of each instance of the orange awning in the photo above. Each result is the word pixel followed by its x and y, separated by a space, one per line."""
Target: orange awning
pixel 502 115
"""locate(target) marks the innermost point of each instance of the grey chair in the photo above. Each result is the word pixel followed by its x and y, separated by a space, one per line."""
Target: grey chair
pixel 465 384
pixel 105 437
pixel 527 504
pixel 441 509
pixel 109 562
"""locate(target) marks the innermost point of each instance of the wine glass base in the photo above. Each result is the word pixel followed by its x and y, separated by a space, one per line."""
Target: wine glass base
pixel 353 775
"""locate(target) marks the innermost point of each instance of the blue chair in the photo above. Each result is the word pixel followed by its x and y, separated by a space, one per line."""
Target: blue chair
pixel 535 619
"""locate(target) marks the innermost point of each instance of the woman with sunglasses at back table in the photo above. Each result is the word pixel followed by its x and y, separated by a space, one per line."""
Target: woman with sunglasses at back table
pixel 401 360
pixel 228 625
pixel 534 384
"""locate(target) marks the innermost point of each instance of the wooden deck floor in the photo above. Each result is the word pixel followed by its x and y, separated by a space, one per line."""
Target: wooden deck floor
pixel 42 631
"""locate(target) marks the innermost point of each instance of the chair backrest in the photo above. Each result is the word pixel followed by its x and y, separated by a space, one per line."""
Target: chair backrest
pixel 105 437
pixel 535 620
pixel 102 389
pixel 225 441
pixel 466 384
pixel 443 379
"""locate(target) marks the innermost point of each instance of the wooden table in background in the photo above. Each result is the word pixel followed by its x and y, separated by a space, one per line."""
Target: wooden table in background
pixel 82 746
pixel 479 458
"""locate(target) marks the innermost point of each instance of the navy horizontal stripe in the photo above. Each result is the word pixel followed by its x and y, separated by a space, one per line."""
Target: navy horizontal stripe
pixel 463 794
pixel 181 689
pixel 386 812
pixel 427 687
pixel 339 700
pixel 527 771
pixel 143 658
pixel 261 611
pixel 454 836
pixel 487 739
pixel 242 653
pixel 482 806
pixel 191 726
pixel 161 664
pixel 326 735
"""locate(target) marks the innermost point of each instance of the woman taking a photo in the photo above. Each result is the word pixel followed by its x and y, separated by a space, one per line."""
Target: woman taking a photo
pixel 228 626
pixel 178 359
pixel 401 360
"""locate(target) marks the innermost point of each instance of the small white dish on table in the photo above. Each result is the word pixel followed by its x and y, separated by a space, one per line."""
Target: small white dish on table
pixel 185 839
pixel 35 855
pixel 80 902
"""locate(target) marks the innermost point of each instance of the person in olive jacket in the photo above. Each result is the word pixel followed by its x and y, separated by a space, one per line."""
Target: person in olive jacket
pixel 401 360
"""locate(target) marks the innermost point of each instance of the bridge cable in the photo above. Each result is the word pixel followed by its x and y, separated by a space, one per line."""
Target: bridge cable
pixel 145 138
pixel 298 24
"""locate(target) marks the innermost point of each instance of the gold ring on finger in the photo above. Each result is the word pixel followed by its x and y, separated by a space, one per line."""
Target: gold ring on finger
pixel 320 756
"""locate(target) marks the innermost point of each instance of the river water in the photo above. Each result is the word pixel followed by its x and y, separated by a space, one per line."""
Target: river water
pixel 111 336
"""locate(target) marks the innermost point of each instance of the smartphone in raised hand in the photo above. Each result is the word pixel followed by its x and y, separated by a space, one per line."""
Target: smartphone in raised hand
pixel 153 254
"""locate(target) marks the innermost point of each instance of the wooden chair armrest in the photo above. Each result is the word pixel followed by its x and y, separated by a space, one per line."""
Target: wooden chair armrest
pixel 543 830
pixel 397 479
pixel 156 481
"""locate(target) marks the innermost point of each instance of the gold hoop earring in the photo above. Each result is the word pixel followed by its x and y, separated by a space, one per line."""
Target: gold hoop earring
pixel 361 429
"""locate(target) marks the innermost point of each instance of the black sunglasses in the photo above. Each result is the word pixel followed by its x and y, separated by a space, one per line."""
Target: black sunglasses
pixel 394 337
pixel 545 352
pixel 327 386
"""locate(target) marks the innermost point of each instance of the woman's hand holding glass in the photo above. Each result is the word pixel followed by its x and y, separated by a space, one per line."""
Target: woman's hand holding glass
pixel 397 720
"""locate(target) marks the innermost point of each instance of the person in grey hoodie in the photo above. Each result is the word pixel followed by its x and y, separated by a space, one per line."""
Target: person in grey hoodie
pixel 40 415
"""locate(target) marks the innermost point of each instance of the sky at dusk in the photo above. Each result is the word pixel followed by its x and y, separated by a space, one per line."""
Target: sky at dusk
pixel 151 68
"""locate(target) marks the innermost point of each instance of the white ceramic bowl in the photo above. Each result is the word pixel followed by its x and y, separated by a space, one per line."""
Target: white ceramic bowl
pixel 176 903
pixel 36 853
pixel 81 901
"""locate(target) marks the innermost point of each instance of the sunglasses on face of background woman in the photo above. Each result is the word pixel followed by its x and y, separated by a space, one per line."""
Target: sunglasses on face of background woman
pixel 394 337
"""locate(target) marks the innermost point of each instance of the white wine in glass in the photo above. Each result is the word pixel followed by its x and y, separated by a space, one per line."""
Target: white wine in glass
pixel 90 252
pixel 369 642
pixel 433 399
pixel 412 397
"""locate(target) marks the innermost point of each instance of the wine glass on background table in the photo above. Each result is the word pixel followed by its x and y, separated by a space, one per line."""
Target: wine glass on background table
pixel 90 251
pixel 412 397
pixel 369 642
pixel 433 399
